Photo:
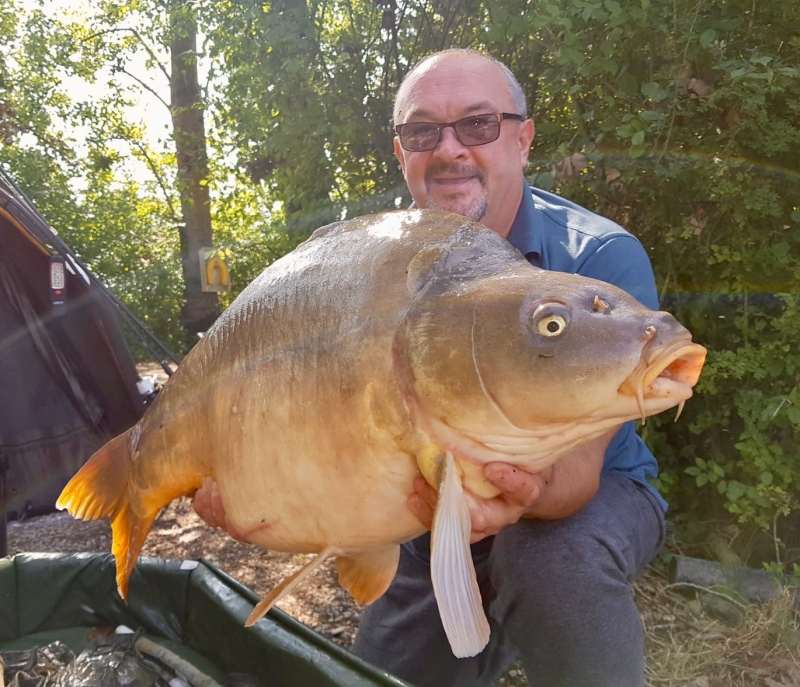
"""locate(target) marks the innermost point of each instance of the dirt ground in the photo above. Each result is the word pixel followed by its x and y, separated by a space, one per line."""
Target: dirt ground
pixel 686 645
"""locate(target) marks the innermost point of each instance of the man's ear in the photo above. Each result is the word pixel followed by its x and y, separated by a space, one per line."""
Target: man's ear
pixel 400 154
pixel 527 131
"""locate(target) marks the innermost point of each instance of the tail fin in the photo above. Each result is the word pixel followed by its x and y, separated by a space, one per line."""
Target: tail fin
pixel 100 490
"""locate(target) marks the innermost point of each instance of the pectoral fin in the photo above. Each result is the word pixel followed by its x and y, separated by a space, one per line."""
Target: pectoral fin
pixel 452 572
pixel 288 585
pixel 367 575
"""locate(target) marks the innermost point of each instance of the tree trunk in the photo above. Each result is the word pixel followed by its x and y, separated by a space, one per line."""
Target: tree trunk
pixel 200 308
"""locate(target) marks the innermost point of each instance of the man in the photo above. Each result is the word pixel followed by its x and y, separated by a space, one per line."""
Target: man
pixel 556 576
pixel 556 552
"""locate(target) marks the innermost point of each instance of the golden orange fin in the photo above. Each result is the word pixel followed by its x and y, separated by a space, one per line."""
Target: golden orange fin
pixel 128 532
pixel 104 488
pixel 98 489
pixel 367 575
pixel 287 586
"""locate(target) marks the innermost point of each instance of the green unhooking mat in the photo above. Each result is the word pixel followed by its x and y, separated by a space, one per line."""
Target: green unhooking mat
pixel 60 612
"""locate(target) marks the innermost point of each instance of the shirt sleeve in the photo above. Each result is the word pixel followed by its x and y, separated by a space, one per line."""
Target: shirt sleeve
pixel 622 261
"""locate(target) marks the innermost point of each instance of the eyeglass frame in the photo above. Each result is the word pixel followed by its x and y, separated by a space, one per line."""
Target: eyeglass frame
pixel 443 125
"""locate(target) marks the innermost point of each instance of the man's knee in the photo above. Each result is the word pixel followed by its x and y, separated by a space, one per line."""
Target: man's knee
pixel 562 555
pixel 600 549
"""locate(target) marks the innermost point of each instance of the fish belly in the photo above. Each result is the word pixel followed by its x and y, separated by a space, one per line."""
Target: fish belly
pixel 283 502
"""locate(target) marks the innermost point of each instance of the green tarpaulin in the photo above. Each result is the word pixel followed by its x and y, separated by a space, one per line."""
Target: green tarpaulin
pixel 44 597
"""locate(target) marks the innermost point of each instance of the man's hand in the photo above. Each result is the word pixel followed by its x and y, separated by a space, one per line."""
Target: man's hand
pixel 520 490
pixel 557 492
pixel 207 504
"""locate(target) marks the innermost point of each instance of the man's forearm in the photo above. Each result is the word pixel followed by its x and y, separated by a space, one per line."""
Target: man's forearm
pixel 573 482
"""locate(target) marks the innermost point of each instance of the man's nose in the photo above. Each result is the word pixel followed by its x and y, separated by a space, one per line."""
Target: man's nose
pixel 449 146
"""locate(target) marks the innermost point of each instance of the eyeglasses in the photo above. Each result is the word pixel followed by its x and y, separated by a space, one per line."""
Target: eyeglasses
pixel 475 130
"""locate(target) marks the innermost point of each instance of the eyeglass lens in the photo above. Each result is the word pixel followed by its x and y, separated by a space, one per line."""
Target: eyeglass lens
pixel 470 131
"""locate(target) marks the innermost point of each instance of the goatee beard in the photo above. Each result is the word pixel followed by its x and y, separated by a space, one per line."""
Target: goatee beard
pixel 474 208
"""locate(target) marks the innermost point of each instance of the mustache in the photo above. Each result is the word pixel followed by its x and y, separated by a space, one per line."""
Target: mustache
pixel 458 170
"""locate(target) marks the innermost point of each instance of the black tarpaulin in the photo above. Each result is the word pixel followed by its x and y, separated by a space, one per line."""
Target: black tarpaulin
pixel 67 378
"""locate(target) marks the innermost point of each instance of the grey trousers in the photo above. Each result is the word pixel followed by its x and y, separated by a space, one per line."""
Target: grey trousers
pixel 558 596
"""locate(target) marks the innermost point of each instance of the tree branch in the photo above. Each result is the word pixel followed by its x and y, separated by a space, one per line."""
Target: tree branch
pixel 145 86
pixel 159 178
pixel 141 40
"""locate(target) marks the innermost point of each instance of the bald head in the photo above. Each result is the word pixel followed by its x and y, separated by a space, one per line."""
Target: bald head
pixel 431 62
pixel 482 179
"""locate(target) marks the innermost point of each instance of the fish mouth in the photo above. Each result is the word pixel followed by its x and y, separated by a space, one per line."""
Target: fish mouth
pixel 665 376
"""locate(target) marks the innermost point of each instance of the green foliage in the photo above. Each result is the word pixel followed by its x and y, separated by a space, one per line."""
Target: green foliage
pixel 687 113
pixel 123 232
pixel 304 103
pixel 309 89
pixel 129 241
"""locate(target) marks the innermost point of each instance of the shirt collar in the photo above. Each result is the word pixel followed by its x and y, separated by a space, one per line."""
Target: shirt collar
pixel 525 235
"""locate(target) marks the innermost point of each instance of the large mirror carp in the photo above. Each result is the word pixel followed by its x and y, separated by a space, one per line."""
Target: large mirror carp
pixel 382 347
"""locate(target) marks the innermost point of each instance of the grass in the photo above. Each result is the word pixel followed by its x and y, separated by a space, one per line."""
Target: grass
pixel 687 647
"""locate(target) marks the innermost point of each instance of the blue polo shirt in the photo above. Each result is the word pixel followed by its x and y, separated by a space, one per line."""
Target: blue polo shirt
pixel 556 234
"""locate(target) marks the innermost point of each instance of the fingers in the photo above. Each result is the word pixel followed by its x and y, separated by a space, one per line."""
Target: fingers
pixel 217 509
pixel 208 505
pixel 422 502
pixel 519 488
pixel 203 503
pixel 489 516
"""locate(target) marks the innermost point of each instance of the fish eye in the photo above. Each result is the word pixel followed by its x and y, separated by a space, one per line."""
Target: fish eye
pixel 552 325
pixel 550 320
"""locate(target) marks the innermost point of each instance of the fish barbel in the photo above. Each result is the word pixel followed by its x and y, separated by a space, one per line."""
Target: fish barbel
pixel 381 348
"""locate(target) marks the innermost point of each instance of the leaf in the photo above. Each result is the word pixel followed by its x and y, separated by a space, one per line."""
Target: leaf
pixel 735 490
pixel 636 151
pixel 544 181
pixel 654 92
pixel 707 37
pixel 796 215
pixel 651 116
